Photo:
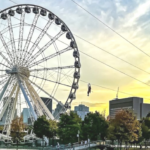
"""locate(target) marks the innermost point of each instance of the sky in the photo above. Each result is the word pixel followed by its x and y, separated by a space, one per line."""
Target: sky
pixel 130 18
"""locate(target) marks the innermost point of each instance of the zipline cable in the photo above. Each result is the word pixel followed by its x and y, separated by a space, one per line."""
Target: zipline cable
pixel 110 53
pixel 108 88
pixel 111 28
pixel 114 68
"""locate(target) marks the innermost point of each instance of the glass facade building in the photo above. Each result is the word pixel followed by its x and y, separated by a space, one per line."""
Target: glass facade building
pixel 81 110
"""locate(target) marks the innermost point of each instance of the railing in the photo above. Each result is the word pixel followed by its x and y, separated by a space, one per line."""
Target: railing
pixel 78 146
pixel 74 146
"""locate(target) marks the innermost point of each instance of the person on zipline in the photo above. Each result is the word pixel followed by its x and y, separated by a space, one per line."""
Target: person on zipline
pixel 89 89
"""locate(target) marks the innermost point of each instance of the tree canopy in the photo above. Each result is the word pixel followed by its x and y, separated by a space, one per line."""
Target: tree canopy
pixel 124 127
pixel 146 128
pixel 42 126
pixel 17 129
pixel 94 126
pixel 68 127
pixel 53 128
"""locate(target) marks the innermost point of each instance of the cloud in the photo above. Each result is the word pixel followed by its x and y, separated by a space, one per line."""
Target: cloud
pixel 137 13
pixel 90 104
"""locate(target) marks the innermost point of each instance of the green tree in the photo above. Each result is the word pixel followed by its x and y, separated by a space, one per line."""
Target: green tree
pixel 68 127
pixel 124 127
pixel 42 126
pixel 94 126
pixel 146 128
pixel 53 128
pixel 110 132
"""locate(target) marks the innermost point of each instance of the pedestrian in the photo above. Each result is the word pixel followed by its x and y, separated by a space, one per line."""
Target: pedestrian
pixel 58 145
pixel 85 143
pixel 69 145
pixel 88 141
pixel 81 142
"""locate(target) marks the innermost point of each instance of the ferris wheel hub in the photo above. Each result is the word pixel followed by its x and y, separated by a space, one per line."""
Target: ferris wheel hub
pixel 24 71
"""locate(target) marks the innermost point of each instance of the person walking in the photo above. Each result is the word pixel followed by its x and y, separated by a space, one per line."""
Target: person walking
pixel 58 145
pixel 85 143
pixel 88 142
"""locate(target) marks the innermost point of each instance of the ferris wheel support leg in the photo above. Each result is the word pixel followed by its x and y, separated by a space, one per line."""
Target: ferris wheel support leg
pixel 34 99
pixel 12 112
pixel 7 102
pixel 44 108
pixel 27 99
pixel 4 89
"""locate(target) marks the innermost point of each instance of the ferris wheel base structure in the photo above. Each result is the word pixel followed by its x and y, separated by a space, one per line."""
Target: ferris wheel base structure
pixel 39 55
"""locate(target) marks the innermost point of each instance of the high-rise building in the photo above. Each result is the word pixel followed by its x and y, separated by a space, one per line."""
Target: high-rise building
pixel 59 109
pixel 81 110
pixel 133 103
pixel 48 103
pixel 26 114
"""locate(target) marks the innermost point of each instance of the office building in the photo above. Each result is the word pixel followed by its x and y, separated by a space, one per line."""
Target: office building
pixel 26 114
pixel 48 103
pixel 81 110
pixel 132 103
pixel 58 110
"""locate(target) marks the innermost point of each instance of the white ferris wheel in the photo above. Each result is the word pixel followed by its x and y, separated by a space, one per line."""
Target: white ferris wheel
pixel 38 58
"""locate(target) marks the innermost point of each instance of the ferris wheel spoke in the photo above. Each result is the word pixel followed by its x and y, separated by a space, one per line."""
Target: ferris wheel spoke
pixel 5 59
pixel 21 34
pixel 6 47
pixel 50 80
pixel 30 34
pixel 53 68
pixel 2 70
pixel 5 65
pixel 3 81
pixel 45 47
pixel 66 75
pixel 4 88
pixel 3 75
pixel 45 92
pixel 40 36
pixel 50 56
pixel 12 39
